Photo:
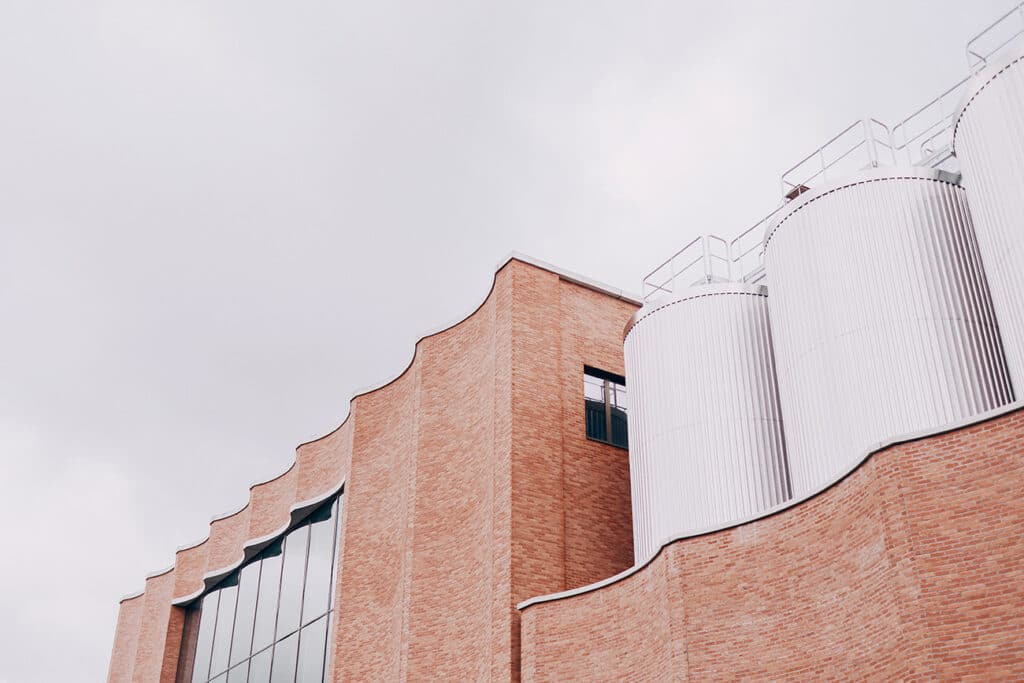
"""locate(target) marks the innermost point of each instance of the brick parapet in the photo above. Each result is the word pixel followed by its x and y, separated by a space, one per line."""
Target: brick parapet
pixel 910 568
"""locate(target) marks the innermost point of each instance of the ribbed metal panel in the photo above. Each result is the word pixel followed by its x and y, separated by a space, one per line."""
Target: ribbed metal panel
pixel 705 441
pixel 989 141
pixel 881 317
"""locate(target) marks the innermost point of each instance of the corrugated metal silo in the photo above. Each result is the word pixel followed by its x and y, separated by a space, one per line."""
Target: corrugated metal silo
pixel 989 142
pixel 881 316
pixel 706 441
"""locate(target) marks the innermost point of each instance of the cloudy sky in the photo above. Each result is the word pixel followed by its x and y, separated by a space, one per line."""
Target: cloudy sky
pixel 220 219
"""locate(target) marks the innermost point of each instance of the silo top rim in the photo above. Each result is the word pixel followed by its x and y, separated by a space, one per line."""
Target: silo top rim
pixel 881 173
pixel 692 293
pixel 980 80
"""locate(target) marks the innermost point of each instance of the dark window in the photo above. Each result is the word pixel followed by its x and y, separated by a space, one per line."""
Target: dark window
pixel 269 620
pixel 604 395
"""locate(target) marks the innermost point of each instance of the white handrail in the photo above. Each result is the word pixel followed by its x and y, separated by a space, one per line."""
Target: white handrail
pixel 925 137
pixel 977 55
pixel 868 135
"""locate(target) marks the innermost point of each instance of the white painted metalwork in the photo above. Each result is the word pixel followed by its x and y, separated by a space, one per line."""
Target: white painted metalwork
pixel 704 259
pixel 1004 32
pixel 881 316
pixel 925 138
pixel 705 444
pixel 746 252
pixel 989 141
pixel 710 258
pixel 863 144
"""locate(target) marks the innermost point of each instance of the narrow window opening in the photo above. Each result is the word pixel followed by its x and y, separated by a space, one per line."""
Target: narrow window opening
pixel 607 406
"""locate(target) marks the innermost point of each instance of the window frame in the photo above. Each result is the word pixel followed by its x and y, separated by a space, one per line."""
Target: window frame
pixel 608 379
pixel 332 506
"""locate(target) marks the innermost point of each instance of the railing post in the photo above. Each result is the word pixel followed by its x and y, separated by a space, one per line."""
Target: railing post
pixel 869 137
pixel 707 259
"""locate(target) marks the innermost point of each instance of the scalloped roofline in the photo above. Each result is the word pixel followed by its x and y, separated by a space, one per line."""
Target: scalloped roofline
pixel 251 546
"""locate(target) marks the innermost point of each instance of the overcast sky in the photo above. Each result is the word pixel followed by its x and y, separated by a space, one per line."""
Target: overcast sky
pixel 220 219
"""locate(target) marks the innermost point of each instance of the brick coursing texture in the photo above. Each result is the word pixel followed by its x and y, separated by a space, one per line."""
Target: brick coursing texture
pixel 470 486
pixel 911 568
pixel 459 506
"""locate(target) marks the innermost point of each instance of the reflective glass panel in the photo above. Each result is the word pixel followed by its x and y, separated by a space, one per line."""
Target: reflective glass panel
pixel 245 612
pixel 606 407
pixel 318 567
pixel 225 619
pixel 204 642
pixel 291 581
pixel 312 644
pixel 259 667
pixel 283 670
pixel 239 674
pixel 266 605
pixel 248 626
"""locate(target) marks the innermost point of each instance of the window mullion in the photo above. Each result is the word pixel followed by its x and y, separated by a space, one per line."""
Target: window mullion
pixel 302 602
pixel 213 637
pixel 607 410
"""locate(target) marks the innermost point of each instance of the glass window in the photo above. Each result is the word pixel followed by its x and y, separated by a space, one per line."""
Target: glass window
pixel 266 605
pixel 319 566
pixel 312 646
pixel 606 406
pixel 239 674
pixel 225 621
pixel 245 612
pixel 290 605
pixel 251 620
pixel 204 643
pixel 283 670
pixel 259 667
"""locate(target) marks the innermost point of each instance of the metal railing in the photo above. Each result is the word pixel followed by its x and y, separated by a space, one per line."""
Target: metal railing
pixel 925 138
pixel 746 252
pixel 710 258
pixel 1002 32
pixel 863 144
pixel 703 260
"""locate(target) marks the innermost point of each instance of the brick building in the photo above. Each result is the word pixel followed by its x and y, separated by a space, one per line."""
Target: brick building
pixel 823 475
pixel 467 485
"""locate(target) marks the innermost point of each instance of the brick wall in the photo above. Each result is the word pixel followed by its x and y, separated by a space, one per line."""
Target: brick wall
pixel 470 486
pixel 910 568
pixel 459 505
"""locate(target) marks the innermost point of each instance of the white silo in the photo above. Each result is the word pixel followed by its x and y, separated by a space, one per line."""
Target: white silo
pixel 880 313
pixel 706 441
pixel 988 140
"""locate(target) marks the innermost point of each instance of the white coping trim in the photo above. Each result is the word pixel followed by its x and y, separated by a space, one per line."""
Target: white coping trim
pixel 249 548
pixel 566 275
pixel 253 546
pixel 576 278
pixel 871 450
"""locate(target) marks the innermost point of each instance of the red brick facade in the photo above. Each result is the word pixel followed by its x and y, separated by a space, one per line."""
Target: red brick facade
pixel 469 487
pixel 912 567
